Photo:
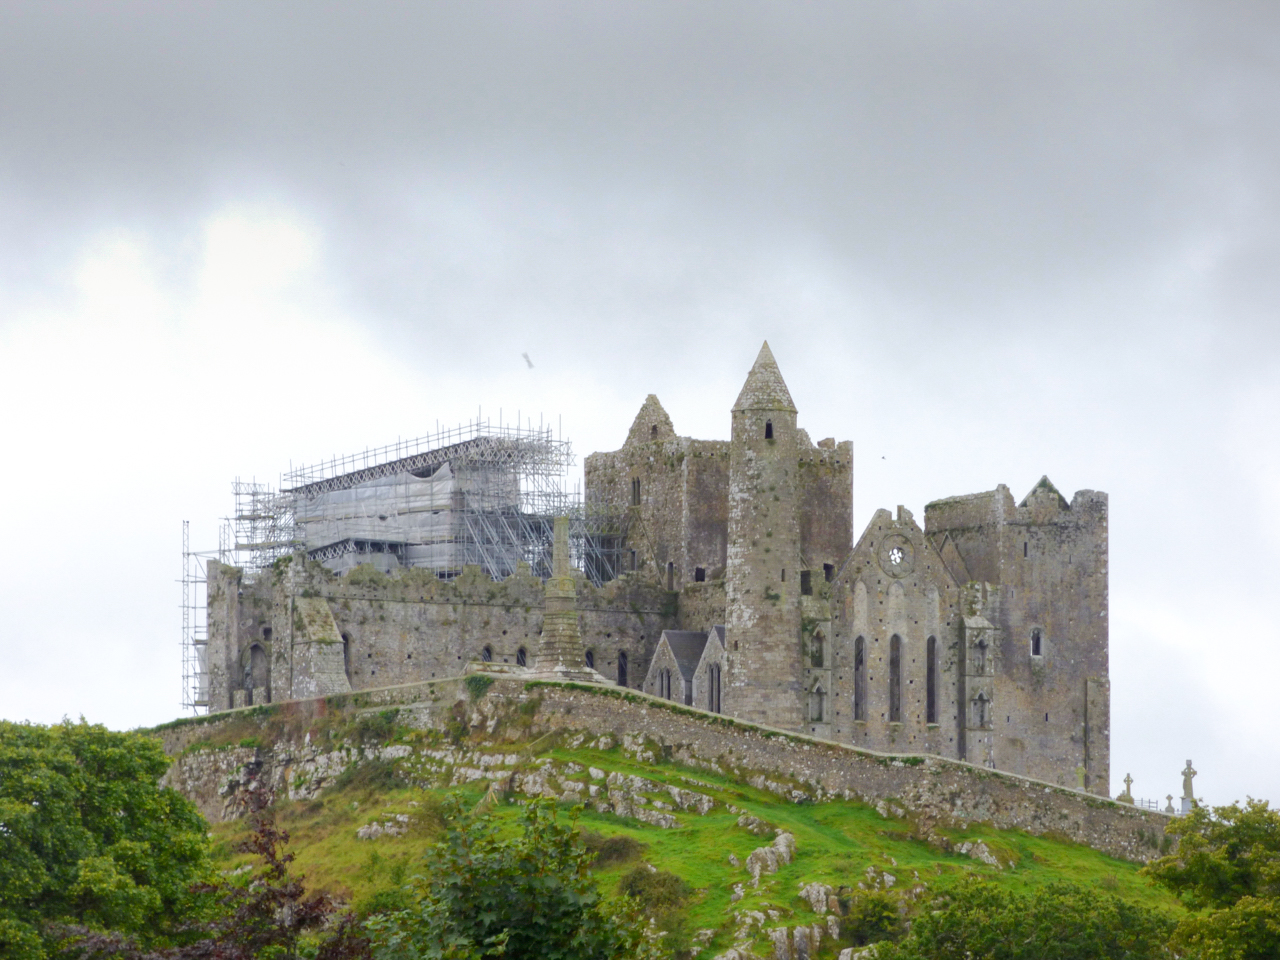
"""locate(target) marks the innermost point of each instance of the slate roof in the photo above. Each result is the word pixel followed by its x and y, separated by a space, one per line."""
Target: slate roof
pixel 765 389
pixel 686 646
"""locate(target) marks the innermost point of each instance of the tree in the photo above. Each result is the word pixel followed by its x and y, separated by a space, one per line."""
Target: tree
pixel 1227 871
pixel 526 897
pixel 266 914
pixel 1060 922
pixel 88 837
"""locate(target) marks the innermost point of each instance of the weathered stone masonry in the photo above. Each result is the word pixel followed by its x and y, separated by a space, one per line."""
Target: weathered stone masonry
pixel 981 636
pixel 933 791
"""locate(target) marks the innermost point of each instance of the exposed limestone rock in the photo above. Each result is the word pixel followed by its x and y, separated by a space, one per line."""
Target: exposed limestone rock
pixel 397 826
pixel 767 859
pixel 818 896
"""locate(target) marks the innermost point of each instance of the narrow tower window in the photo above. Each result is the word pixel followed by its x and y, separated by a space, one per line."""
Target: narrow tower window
pixel 895 679
pixel 622 668
pixel 817 702
pixel 671 575
pixel 816 652
pixel 828 571
pixel 699 574
pixel 784 574
pixel 522 658
pixel 486 655
pixel 1035 642
pixel 859 679
pixel 806 583
pixel 591 659
pixel 633 560
pixel 635 492
pixel 931 681
pixel 981 711
pixel 768 429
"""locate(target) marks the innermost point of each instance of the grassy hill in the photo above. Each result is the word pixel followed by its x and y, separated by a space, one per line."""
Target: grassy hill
pixel 848 846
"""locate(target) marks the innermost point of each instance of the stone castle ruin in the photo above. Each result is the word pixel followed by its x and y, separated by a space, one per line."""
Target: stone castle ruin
pixel 719 574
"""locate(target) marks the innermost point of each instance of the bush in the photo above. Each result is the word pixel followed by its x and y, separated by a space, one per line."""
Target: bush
pixel 657 891
pixel 872 916
pixel 529 896
pixel 611 851
pixel 1062 921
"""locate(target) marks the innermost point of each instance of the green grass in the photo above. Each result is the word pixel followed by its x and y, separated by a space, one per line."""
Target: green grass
pixel 836 841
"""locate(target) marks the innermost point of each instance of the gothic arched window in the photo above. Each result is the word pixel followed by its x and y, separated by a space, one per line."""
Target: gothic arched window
pixel 768 429
pixel 860 679
pixel 895 679
pixel 591 659
pixel 487 654
pixel 931 681
pixel 622 668
pixel 522 658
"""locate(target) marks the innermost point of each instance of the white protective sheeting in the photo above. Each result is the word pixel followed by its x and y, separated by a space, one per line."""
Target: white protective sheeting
pixel 401 509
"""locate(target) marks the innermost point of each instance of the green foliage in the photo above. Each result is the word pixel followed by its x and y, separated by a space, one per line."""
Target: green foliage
pixel 1223 854
pixel 367 575
pixel 657 891
pixel 87 837
pixel 611 851
pixel 1227 868
pixel 528 896
pixel 872 916
pixel 1061 922
pixel 371 776
pixel 478 685
pixel 377 727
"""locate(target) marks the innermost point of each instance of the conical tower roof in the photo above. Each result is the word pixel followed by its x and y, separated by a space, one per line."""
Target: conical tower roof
pixel 765 389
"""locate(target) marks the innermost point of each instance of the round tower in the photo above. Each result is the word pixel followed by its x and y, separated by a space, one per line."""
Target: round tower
pixel 762 576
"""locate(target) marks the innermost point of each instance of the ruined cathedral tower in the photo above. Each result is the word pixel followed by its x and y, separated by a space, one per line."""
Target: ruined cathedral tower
pixel 762 575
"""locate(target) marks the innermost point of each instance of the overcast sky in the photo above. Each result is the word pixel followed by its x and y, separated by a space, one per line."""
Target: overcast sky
pixel 986 242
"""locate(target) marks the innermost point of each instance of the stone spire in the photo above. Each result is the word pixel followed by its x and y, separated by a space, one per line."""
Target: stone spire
pixel 765 389
pixel 560 653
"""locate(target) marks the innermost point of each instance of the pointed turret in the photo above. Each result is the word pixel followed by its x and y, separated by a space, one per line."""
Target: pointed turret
pixel 765 389
pixel 651 423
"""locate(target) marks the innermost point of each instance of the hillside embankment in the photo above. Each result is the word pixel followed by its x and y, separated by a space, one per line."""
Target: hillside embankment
pixel 768 832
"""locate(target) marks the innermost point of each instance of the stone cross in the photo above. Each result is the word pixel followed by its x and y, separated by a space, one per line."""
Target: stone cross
pixel 1128 787
pixel 1169 808
pixel 1187 774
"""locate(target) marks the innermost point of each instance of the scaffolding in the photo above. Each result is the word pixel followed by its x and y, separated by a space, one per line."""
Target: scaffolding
pixel 195 627
pixel 480 494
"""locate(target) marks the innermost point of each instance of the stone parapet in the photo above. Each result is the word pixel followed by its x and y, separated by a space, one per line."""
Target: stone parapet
pixel 933 791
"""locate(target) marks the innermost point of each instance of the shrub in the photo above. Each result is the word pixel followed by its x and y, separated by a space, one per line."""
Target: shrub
pixel 610 851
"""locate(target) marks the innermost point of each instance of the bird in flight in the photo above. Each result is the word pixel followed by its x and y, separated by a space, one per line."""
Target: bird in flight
pixel 527 360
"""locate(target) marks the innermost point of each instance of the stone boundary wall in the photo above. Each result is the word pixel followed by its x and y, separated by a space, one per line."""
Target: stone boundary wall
pixel 932 791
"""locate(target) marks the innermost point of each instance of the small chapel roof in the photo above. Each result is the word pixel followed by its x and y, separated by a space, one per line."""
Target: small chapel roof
pixel 686 646
pixel 765 389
